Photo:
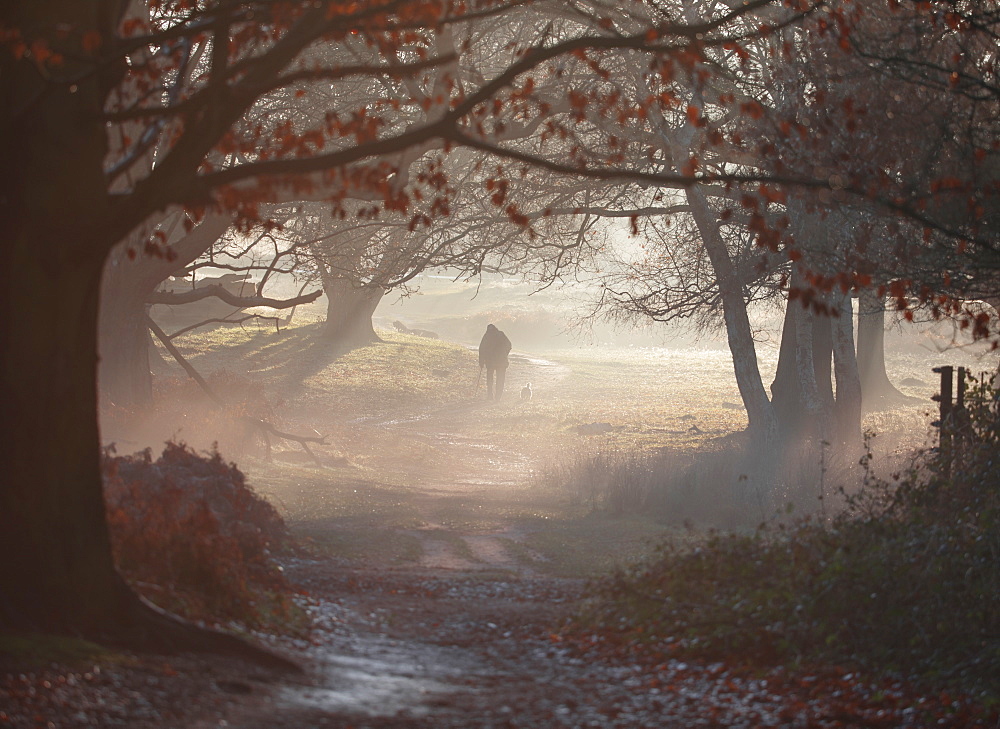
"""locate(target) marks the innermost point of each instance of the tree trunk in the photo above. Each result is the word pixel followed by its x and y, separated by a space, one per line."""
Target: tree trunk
pixel 788 390
pixel 803 320
pixel 349 311
pixel 57 569
pixel 847 411
pixel 785 392
pixel 822 333
pixel 876 389
pixel 762 423
pixel 124 341
pixel 57 225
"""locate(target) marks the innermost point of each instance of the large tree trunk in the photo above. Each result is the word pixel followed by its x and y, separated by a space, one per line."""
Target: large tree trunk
pixel 876 389
pixel 349 311
pixel 802 388
pixel 56 565
pixel 57 569
pixel 124 340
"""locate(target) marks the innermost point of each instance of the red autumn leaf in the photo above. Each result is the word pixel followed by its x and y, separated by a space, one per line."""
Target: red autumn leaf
pixel 91 41
pixel 40 51
pixel 694 116
pixel 752 109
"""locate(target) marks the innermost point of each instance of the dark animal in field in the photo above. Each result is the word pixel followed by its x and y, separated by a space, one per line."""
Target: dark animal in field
pixel 526 392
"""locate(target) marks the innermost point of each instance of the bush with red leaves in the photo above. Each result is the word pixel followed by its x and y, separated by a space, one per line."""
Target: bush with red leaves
pixel 190 535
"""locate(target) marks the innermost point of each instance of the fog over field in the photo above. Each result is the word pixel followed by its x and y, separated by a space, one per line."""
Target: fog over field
pixel 642 422
pixel 445 364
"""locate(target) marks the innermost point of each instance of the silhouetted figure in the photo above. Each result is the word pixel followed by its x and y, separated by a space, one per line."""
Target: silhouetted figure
pixel 493 351
pixel 526 392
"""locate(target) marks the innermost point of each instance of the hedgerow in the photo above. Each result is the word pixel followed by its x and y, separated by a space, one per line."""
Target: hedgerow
pixel 904 581
pixel 190 535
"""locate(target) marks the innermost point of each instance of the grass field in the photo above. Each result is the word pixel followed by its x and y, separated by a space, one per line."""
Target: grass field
pixel 419 469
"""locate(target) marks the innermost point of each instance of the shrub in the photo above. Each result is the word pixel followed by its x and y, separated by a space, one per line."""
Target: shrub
pixel 190 535
pixel 708 488
pixel 904 580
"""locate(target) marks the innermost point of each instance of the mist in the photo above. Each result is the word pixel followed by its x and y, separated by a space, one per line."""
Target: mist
pixel 639 423
pixel 488 363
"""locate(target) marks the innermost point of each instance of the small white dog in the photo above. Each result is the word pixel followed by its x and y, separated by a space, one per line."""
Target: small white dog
pixel 526 392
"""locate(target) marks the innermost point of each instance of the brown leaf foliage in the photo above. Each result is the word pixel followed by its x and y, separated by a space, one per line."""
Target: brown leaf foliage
pixel 189 534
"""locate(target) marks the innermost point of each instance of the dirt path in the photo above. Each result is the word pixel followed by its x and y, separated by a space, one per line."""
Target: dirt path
pixel 436 649
pixel 465 632
pixel 464 464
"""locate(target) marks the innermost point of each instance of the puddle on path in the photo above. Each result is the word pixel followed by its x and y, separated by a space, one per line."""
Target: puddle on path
pixel 379 677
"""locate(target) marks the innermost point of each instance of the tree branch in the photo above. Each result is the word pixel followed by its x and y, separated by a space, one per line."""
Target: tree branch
pixel 241 302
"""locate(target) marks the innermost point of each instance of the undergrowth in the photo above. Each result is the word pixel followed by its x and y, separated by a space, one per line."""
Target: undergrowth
pixel 617 480
pixel 903 581
pixel 191 536
pixel 708 488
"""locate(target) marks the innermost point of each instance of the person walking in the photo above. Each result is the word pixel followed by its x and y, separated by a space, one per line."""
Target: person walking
pixel 493 351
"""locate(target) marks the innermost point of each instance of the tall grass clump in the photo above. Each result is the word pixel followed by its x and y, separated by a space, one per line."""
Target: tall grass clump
pixel 720 486
pixel 615 480
pixel 904 579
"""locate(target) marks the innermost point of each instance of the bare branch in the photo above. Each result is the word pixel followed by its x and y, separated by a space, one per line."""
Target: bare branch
pixel 242 302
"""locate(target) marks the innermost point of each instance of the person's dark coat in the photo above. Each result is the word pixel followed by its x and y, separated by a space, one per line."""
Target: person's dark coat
pixel 493 349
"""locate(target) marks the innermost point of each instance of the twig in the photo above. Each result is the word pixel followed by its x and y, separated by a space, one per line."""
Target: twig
pixel 206 322
pixel 192 372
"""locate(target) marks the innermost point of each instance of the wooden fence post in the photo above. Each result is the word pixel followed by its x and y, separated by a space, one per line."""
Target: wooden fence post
pixel 944 423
